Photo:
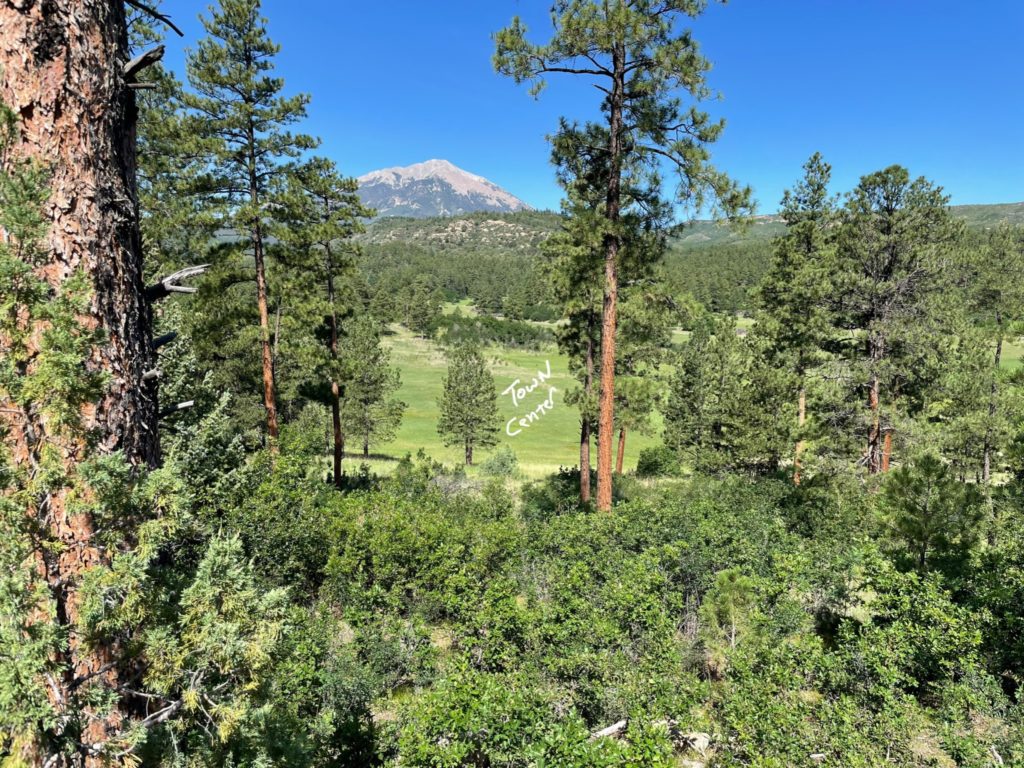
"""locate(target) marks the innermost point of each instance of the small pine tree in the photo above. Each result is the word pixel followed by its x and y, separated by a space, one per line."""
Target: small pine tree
pixel 469 404
pixel 368 411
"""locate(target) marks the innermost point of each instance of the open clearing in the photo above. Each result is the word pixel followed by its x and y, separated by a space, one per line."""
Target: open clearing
pixel 551 441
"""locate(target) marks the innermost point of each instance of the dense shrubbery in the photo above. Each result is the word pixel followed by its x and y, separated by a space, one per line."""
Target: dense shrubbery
pixel 479 632
pixel 657 461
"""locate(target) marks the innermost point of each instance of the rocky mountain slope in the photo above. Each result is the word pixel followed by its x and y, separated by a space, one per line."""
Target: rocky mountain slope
pixel 434 188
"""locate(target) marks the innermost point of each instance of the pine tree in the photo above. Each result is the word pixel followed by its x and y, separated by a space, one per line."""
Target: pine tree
pixel 997 300
pixel 324 212
pixel 75 348
pixel 236 104
pixel 423 308
pixel 794 294
pixel 895 253
pixel 369 411
pixel 700 412
pixel 469 402
pixel 574 265
pixel 642 64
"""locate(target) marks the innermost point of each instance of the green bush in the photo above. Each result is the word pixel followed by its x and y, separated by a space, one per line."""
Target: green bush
pixel 658 461
pixel 502 463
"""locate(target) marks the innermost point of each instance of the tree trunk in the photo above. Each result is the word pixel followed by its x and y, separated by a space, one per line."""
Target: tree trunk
pixel 886 450
pixel 801 419
pixel 366 447
pixel 469 453
pixel 588 388
pixel 256 233
pixel 62 75
pixel 339 437
pixel 874 452
pixel 621 452
pixel 606 416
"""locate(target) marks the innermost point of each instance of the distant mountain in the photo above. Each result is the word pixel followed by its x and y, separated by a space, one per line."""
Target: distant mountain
pixel 434 188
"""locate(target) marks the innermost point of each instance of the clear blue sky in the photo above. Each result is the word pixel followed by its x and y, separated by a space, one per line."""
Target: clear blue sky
pixel 935 85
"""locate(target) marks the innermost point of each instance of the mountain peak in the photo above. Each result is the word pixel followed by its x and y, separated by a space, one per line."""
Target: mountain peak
pixel 433 188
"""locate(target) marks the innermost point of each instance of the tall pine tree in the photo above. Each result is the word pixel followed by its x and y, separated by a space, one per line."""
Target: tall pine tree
pixel 794 294
pixel 644 65
pixel 895 253
pixel 236 105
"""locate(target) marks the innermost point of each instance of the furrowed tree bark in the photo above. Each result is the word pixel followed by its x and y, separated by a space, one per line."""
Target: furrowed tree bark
pixel 606 417
pixel 62 66
pixel 339 437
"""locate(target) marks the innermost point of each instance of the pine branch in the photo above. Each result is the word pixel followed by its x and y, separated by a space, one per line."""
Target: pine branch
pixel 155 14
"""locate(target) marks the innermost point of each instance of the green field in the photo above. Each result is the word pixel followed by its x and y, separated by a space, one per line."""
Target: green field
pixel 1013 353
pixel 550 442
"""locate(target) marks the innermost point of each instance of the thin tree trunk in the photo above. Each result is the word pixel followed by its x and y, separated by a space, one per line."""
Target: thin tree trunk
pixel 339 437
pixel 469 453
pixel 588 388
pixel 801 419
pixel 621 451
pixel 366 448
pixel 875 433
pixel 886 450
pixel 269 395
pixel 609 320
pixel 62 65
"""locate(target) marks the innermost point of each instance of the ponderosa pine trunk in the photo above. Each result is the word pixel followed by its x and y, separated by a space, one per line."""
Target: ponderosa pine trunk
pixel 621 452
pixel 588 388
pixel 339 437
pixel 266 353
pixel 62 74
pixel 606 415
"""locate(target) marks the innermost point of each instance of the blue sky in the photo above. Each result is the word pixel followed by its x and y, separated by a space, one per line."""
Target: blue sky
pixel 935 85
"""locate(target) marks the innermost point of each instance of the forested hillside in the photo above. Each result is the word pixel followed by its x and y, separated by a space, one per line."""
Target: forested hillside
pixel 576 490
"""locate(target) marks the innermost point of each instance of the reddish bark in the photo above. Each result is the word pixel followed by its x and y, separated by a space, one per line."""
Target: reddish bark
pixel 621 452
pixel 266 353
pixel 588 388
pixel 609 319
pixel 62 74
pixel 886 451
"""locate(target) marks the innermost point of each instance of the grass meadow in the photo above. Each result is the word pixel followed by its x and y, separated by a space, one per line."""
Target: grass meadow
pixel 551 441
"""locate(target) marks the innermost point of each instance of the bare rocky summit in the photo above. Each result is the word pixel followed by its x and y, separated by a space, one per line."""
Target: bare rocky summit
pixel 434 188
